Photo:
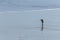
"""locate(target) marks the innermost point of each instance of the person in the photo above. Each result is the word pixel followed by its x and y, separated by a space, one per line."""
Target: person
pixel 42 21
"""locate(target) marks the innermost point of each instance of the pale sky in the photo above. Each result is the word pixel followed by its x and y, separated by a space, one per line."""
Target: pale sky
pixel 35 4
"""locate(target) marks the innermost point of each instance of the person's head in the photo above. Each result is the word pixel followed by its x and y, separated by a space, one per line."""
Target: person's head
pixel 42 20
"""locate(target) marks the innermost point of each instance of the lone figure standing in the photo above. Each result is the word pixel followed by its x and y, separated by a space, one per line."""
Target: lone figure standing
pixel 42 21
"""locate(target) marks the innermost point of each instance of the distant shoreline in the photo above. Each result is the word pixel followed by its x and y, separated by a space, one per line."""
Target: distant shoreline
pixel 13 10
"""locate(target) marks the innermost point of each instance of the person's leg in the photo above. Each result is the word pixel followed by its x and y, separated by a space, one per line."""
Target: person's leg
pixel 42 27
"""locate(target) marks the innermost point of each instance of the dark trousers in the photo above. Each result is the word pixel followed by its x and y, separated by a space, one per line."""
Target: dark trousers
pixel 42 27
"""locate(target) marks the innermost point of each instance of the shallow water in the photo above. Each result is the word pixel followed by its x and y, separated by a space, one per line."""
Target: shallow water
pixel 26 25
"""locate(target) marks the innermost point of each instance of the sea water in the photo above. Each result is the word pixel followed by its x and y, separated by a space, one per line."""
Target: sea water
pixel 26 25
